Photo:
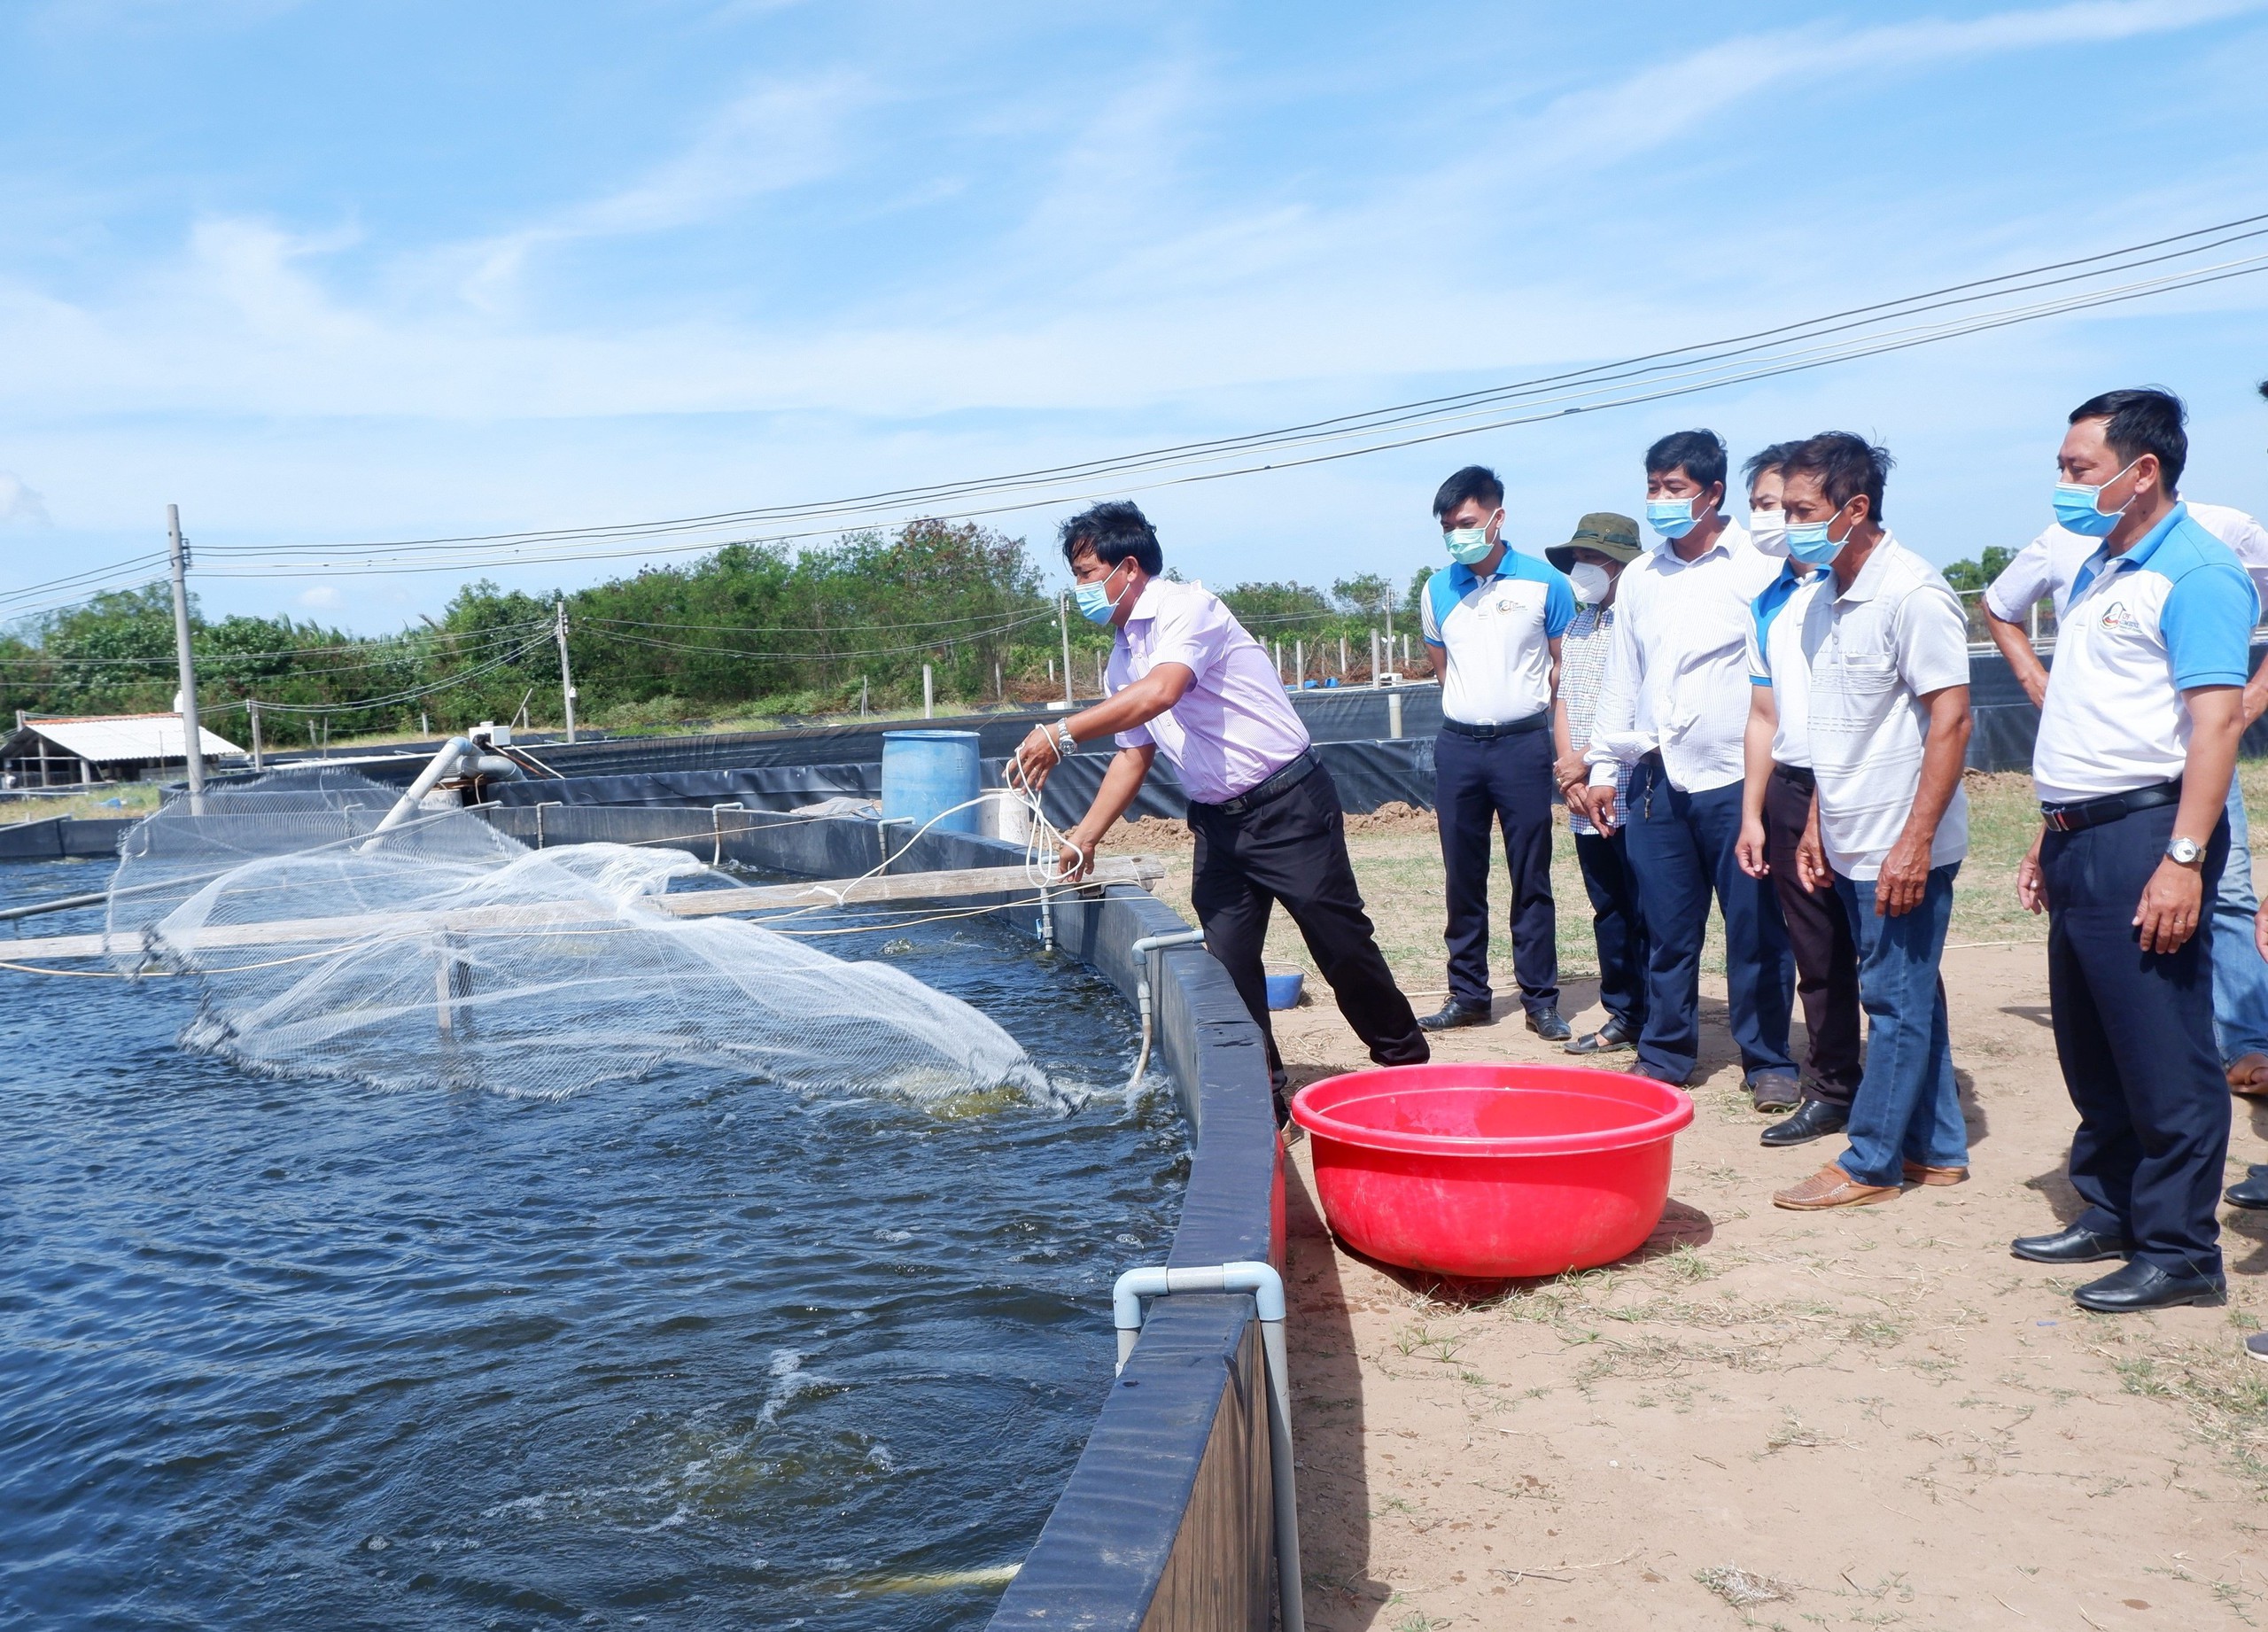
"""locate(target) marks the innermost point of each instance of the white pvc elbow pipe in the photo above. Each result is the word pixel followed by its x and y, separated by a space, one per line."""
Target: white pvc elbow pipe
pixel 1142 950
pixel 1267 1289
pixel 456 755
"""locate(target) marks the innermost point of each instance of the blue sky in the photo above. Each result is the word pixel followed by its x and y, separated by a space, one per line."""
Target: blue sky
pixel 381 268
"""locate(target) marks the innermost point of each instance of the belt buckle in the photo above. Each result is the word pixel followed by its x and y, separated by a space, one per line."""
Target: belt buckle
pixel 2058 820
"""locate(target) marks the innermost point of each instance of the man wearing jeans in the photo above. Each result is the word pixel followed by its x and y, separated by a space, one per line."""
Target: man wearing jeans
pixel 2043 571
pixel 1674 707
pixel 1888 694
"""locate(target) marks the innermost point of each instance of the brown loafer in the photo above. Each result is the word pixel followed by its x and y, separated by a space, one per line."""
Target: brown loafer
pixel 1831 1187
pixel 1916 1173
pixel 2248 1075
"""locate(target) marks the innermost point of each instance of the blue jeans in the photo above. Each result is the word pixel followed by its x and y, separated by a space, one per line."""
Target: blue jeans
pixel 2239 976
pixel 1680 847
pixel 1907 1109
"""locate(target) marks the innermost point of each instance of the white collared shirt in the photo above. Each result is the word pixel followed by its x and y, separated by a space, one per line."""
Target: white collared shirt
pixel 1870 654
pixel 1677 677
pixel 2044 569
pixel 1777 662
pixel 1234 728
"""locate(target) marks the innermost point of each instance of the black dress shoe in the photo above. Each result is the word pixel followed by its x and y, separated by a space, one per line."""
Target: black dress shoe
pixel 1609 1038
pixel 1546 1023
pixel 1815 1120
pixel 2145 1286
pixel 2071 1245
pixel 1453 1013
pixel 1776 1091
pixel 2253 1192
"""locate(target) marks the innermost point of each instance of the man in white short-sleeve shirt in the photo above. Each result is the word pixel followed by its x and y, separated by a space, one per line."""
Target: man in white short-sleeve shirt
pixel 2044 570
pixel 1188 682
pixel 1887 689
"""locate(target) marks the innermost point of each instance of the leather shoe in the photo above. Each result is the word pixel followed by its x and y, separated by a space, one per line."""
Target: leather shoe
pixel 2253 1192
pixel 1546 1023
pixel 1776 1091
pixel 1453 1013
pixel 2071 1245
pixel 1609 1038
pixel 1936 1178
pixel 1814 1121
pixel 1831 1187
pixel 2145 1286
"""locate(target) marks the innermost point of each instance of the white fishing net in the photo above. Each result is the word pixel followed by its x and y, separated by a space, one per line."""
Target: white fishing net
pixel 442 952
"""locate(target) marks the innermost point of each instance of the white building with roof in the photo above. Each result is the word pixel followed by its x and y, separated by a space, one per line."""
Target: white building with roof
pixel 49 750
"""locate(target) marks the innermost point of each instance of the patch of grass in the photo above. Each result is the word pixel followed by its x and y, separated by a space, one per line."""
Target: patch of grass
pixel 1741 1589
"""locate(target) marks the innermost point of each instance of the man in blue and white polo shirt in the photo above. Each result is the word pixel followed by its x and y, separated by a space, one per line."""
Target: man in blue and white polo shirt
pixel 1884 651
pixel 1493 623
pixel 2138 738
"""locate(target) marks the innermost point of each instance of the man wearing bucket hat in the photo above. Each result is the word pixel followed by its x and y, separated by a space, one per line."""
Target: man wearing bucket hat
pixel 1493 623
pixel 1592 559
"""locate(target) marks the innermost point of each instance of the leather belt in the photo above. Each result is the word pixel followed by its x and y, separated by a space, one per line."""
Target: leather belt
pixel 1516 727
pixel 1282 781
pixel 1799 774
pixel 2094 812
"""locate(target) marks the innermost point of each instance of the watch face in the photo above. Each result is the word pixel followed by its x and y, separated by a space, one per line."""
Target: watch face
pixel 2185 850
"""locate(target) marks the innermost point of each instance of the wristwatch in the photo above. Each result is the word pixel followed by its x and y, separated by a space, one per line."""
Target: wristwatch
pixel 2184 852
pixel 1065 744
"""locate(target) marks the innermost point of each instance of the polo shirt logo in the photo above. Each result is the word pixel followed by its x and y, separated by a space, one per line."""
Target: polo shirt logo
pixel 2115 617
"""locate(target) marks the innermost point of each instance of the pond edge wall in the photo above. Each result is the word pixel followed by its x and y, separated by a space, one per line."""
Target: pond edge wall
pixel 1167 1520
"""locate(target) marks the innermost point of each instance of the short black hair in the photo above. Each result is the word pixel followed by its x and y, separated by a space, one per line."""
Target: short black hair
pixel 1699 454
pixel 1475 481
pixel 1767 459
pixel 1846 466
pixel 1113 532
pixel 2147 421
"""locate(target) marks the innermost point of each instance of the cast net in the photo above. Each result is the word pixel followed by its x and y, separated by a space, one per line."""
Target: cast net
pixel 442 952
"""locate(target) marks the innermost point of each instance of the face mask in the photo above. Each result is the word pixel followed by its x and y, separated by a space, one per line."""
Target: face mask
pixel 2078 507
pixel 1095 602
pixel 1807 541
pixel 1767 530
pixel 1672 518
pixel 1468 545
pixel 1593 583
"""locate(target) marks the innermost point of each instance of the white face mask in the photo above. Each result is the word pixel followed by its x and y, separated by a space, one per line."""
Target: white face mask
pixel 1767 530
pixel 1593 582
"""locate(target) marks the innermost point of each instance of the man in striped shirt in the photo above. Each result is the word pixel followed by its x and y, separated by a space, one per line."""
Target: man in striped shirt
pixel 1603 545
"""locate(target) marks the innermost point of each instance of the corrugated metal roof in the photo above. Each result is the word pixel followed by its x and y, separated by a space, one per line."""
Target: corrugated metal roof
pixel 106 739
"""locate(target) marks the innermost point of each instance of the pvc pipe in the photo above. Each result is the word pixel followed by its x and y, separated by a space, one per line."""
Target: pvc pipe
pixel 1267 1289
pixel 457 756
pixel 1142 950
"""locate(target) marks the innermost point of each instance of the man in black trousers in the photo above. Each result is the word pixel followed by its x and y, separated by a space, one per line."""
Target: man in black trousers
pixel 1492 622
pixel 2138 737
pixel 1185 679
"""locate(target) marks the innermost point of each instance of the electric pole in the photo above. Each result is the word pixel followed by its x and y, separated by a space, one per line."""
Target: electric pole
pixel 566 676
pixel 192 737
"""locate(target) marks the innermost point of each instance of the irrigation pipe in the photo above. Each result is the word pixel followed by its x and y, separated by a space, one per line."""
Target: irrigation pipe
pixel 1143 951
pixel 1267 1289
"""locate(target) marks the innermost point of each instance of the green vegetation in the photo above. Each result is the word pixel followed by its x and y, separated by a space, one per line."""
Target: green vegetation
pixel 750 632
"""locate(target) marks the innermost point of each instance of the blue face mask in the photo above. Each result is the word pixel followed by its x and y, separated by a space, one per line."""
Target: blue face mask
pixel 1807 541
pixel 2078 508
pixel 1672 518
pixel 1467 546
pixel 1095 602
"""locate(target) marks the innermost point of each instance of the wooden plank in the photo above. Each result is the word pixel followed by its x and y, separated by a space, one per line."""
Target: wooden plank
pixel 938 886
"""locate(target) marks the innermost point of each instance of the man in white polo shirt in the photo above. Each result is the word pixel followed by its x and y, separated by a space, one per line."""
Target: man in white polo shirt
pixel 2136 742
pixel 2043 571
pixel 1187 681
pixel 1886 652
pixel 1674 706
pixel 1493 623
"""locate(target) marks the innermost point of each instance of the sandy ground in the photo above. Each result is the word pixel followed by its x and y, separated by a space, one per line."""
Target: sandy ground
pixel 1868 1418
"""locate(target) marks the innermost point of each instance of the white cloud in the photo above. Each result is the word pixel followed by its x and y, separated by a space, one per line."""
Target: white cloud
pixel 321 598
pixel 20 505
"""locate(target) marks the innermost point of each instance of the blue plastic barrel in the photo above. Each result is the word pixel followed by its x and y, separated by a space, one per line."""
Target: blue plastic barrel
pixel 925 772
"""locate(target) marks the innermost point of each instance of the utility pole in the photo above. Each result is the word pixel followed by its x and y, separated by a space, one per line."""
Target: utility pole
pixel 259 761
pixel 928 694
pixel 566 676
pixel 1063 619
pixel 192 740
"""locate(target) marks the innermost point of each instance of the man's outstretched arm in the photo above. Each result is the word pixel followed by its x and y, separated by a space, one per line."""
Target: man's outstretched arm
pixel 1128 768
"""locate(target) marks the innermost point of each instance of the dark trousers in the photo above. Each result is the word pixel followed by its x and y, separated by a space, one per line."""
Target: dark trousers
pixel 2134 1032
pixel 1293 848
pixel 1480 782
pixel 1826 953
pixel 1680 847
pixel 1617 924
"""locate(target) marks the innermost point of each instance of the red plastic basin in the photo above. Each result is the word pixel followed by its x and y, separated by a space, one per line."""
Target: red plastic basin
pixel 1492 1171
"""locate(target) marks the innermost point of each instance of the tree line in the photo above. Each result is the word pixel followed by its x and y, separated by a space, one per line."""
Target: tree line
pixel 750 630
